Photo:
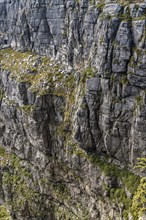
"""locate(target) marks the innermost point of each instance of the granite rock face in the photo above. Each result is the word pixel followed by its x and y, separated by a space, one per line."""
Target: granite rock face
pixel 90 103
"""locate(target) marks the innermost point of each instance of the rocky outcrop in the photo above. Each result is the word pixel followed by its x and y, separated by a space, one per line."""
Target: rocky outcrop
pixel 108 37
pixel 65 118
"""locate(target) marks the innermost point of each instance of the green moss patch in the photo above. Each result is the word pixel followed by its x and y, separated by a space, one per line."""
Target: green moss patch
pixel 4 214
pixel 43 75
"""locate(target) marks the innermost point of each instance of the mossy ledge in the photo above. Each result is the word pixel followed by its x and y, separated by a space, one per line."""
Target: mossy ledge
pixel 43 75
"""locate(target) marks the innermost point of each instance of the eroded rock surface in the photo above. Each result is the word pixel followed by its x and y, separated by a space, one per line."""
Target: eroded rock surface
pixel 68 116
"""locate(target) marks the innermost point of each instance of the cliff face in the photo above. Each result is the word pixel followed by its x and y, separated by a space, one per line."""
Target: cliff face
pixel 111 39
pixel 64 118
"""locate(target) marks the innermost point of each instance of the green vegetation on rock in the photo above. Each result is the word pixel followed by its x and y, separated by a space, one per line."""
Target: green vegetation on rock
pixel 18 181
pixel 4 214
pixel 123 194
pixel 139 200
pixel 43 75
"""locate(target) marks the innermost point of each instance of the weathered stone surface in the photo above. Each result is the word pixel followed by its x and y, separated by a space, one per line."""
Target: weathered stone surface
pixel 93 104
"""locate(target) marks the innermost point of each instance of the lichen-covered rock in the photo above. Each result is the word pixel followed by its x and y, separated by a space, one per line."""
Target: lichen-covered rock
pixel 72 100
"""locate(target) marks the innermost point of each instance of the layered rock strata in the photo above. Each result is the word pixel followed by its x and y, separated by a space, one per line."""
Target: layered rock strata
pixel 72 109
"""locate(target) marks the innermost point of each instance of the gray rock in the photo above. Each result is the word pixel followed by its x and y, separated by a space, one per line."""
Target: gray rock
pixel 59 136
